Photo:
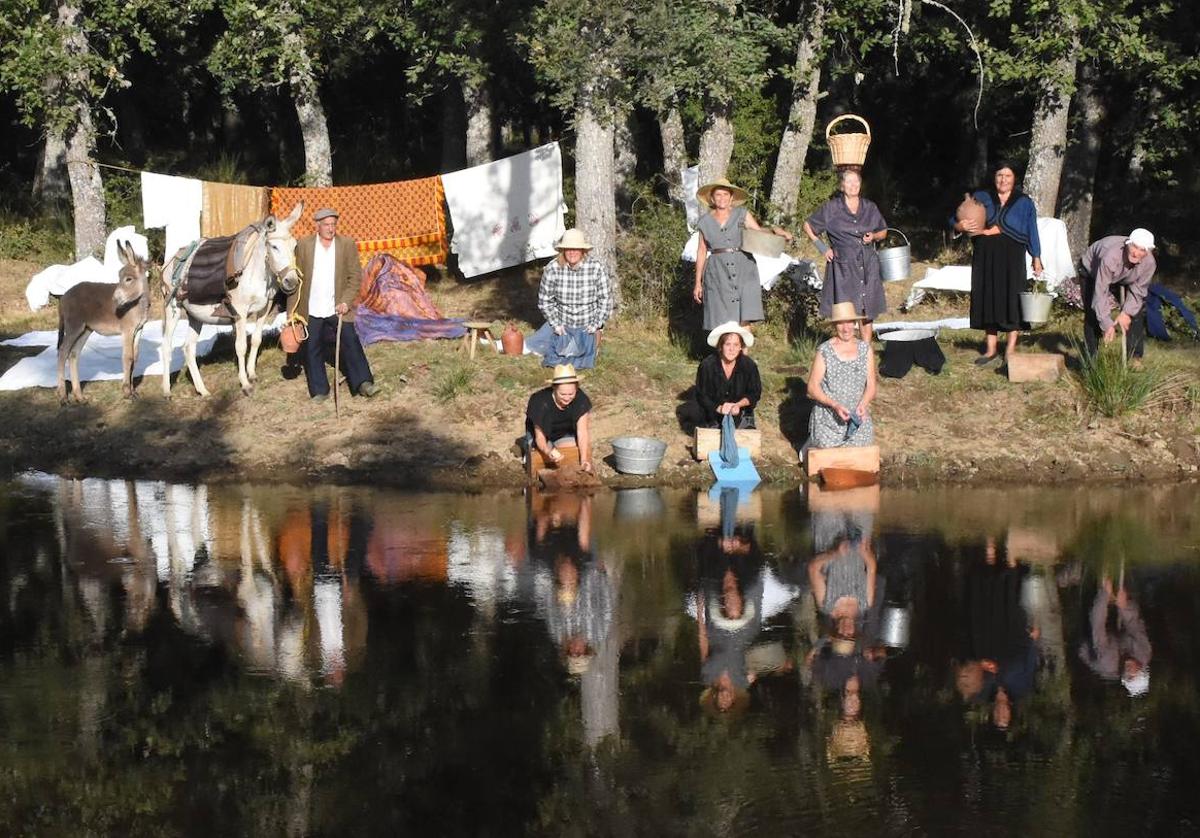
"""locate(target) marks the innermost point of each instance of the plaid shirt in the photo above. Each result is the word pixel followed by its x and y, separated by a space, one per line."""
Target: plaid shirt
pixel 578 296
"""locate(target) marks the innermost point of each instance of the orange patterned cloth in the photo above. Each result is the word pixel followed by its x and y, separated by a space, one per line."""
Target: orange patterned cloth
pixel 405 218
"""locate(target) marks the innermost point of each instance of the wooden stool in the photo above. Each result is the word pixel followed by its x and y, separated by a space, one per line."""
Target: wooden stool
pixel 535 462
pixel 475 330
pixel 707 440
pixel 1035 366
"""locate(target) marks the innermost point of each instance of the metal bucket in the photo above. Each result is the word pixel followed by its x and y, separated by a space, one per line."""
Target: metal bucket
pixel 637 454
pixel 895 263
pixel 634 504
pixel 896 628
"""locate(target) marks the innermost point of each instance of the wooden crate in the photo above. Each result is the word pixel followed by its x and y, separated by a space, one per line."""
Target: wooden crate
pixel 1035 366
pixel 536 462
pixel 864 458
pixel 708 440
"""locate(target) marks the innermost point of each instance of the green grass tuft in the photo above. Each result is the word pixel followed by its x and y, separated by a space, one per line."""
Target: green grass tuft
pixel 1114 388
pixel 453 384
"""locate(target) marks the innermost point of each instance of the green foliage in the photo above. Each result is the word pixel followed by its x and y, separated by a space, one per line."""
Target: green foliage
pixel 654 281
pixel 453 384
pixel 227 168
pixel 582 53
pixel 1114 388
pixel 47 240
pixel 756 131
pixel 123 198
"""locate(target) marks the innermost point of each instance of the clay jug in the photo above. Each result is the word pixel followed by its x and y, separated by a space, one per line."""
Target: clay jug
pixel 970 208
pixel 512 340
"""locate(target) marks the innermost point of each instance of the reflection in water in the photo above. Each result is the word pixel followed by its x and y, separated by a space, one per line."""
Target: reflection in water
pixel 645 661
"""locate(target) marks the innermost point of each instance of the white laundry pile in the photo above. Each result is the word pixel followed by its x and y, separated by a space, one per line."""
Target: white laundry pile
pixel 58 279
pixel 944 323
pixel 769 268
pixel 508 212
pixel 690 178
pixel 100 358
pixel 174 203
pixel 1057 265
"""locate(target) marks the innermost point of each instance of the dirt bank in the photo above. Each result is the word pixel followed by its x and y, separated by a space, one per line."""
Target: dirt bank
pixel 443 421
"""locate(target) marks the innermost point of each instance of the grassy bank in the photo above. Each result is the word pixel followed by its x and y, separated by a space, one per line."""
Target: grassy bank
pixel 444 421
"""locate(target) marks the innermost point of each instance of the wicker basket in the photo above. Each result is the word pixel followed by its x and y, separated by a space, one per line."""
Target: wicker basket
pixel 848 149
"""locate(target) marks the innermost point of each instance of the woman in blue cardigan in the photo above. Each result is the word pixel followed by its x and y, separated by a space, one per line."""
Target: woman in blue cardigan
pixel 998 261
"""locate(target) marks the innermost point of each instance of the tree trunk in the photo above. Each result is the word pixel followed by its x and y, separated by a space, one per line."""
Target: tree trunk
pixel 87 188
pixel 51 185
pixel 797 133
pixel 1048 144
pixel 314 129
pixel 481 121
pixel 595 203
pixel 1083 155
pixel 625 158
pixel 716 143
pixel 454 129
pixel 674 151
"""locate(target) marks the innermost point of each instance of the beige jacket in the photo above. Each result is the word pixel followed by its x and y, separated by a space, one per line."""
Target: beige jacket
pixel 347 274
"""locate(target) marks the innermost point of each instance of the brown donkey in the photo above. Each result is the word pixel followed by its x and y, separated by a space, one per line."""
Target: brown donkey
pixel 108 309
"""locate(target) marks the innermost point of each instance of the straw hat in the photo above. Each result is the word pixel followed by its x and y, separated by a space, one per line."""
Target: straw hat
pixel 842 312
pixel 714 337
pixel 573 239
pixel 704 193
pixel 564 374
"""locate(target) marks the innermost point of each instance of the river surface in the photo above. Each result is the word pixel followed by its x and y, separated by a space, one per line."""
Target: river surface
pixel 254 660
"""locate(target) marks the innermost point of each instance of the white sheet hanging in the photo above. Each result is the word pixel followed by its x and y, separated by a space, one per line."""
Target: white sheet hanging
pixel 174 203
pixel 508 212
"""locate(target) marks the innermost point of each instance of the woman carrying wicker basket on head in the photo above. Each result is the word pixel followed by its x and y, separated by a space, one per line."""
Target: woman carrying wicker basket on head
pixel 726 277
pixel 852 273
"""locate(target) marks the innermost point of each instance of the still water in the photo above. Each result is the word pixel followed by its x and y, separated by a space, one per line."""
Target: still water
pixel 262 660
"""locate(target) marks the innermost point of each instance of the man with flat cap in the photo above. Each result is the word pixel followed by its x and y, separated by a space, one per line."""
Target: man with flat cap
pixel 329 264
pixel 1125 261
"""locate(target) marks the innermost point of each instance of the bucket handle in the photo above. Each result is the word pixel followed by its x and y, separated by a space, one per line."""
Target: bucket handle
pixel 836 120
pixel 901 232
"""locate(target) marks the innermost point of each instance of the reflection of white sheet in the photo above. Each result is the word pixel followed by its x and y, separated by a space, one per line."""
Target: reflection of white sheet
pixel 174 203
pixel 478 562
pixel 776 596
pixel 57 279
pixel 769 268
pixel 690 178
pixel 100 358
pixel 508 212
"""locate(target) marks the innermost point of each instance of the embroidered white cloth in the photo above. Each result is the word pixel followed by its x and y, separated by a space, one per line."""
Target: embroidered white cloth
pixel 769 268
pixel 175 203
pixel 58 279
pixel 508 212
pixel 690 178
pixel 100 358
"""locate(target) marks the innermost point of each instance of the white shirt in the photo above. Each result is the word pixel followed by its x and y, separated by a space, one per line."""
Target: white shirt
pixel 320 295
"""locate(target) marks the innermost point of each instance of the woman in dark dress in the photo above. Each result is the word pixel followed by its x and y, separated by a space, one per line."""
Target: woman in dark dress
pixel 852 272
pixel 998 259
pixel 727 381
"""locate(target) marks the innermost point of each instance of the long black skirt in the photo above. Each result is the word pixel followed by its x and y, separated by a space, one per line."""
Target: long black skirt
pixel 997 280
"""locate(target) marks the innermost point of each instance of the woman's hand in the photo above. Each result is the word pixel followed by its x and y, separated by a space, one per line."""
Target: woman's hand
pixel 555 455
pixel 734 408
pixel 1037 266
pixel 862 410
pixel 829 255
pixel 969 226
pixel 698 292
pixel 841 412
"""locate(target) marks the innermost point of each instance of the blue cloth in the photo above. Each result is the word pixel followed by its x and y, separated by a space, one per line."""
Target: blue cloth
pixel 743 475
pixel 575 346
pixel 1018 220
pixel 853 423
pixel 1155 324
pixel 729 449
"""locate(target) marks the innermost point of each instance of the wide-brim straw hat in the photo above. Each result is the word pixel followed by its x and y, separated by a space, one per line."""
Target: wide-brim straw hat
pixel 842 312
pixel 714 337
pixel 704 193
pixel 563 374
pixel 573 239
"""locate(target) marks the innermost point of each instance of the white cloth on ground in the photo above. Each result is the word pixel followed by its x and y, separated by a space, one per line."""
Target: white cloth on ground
pixel 508 212
pixel 58 279
pixel 689 177
pixel 944 323
pixel 769 268
pixel 175 203
pixel 100 358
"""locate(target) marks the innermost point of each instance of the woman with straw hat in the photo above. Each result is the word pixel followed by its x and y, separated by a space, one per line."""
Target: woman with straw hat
pixel 726 277
pixel 560 416
pixel 842 385
pixel 575 297
pixel 727 382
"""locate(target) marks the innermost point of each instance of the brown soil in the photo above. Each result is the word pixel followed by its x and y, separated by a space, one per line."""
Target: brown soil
pixel 442 421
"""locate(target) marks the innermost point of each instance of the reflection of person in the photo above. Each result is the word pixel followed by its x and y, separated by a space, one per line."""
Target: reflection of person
pixel 852 271
pixel 1000 658
pixel 1122 261
pixel 579 614
pixel 849 738
pixel 842 386
pixel 843 584
pixel 998 259
pixel 727 382
pixel 1123 653
pixel 329 263
pixel 575 298
pixel 726 278
pixel 560 415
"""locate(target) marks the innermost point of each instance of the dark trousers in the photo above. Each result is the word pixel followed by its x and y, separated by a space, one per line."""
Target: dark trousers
pixel 318 350
pixel 1135 340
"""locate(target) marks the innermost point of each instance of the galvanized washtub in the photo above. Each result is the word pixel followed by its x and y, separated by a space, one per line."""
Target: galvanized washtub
pixel 637 454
